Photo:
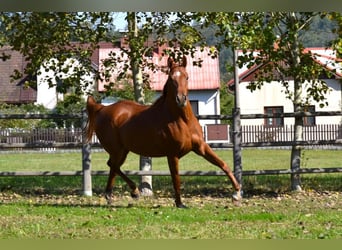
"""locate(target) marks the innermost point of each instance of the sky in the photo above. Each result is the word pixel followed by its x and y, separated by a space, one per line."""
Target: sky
pixel 119 21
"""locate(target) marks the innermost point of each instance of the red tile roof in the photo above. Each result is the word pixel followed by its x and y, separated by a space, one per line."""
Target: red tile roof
pixel 200 78
pixel 325 57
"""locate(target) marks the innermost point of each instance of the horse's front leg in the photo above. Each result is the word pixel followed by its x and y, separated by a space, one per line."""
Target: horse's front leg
pixel 173 166
pixel 204 150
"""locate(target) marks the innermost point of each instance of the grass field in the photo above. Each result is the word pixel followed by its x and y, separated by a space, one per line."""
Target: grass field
pixel 52 207
pixel 252 159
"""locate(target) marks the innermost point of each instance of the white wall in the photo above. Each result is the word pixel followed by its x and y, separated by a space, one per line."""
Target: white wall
pixel 208 104
pixel 272 94
pixel 48 96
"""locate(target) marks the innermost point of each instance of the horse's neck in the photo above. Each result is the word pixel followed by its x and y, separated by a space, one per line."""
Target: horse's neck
pixel 185 113
pixel 167 102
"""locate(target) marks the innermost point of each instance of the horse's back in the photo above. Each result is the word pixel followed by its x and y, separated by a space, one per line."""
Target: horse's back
pixel 122 111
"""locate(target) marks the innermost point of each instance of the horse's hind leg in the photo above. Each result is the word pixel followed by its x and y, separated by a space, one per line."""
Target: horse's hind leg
pixel 110 184
pixel 205 151
pixel 135 191
pixel 115 163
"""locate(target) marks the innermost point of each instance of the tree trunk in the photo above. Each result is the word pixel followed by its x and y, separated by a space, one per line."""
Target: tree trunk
pixel 298 125
pixel 237 125
pixel 145 163
pixel 296 151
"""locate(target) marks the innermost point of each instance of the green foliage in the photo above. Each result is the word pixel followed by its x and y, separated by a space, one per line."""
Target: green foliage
pixel 23 123
pixel 337 43
pixel 260 31
pixel 42 36
pixel 124 90
pixel 72 104
pixel 226 102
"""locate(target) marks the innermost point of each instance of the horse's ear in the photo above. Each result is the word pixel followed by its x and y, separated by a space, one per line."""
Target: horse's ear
pixel 170 62
pixel 184 62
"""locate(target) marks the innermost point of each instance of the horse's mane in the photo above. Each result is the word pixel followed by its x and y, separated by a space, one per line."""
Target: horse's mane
pixel 161 99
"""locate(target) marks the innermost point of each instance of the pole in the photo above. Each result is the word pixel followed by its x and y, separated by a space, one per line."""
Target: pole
pixel 86 160
pixel 145 163
pixel 237 124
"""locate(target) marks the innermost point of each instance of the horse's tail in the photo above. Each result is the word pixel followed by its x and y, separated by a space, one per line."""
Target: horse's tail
pixel 92 108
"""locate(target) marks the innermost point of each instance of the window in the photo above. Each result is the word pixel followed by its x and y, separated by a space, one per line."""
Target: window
pixel 274 122
pixel 194 106
pixel 309 120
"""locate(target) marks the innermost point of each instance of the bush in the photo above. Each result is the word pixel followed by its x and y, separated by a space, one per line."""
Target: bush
pixel 24 123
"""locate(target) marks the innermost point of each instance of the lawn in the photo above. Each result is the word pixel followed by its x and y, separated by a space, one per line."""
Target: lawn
pixel 252 159
pixel 52 207
pixel 308 215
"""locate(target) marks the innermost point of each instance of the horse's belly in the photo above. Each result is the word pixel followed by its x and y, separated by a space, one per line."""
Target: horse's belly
pixel 146 146
pixel 155 144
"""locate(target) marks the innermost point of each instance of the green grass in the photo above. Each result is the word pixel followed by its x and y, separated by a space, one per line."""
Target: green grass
pixel 252 159
pixel 52 207
pixel 299 216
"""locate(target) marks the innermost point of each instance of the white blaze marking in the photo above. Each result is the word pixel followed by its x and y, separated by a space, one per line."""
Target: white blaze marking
pixel 177 73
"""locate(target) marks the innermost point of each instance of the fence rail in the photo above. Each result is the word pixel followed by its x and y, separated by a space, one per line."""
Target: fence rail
pixel 252 136
pixel 181 172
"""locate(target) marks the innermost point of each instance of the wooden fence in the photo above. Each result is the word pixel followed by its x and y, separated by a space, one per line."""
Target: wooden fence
pixel 252 136
pixel 42 138
pixel 261 133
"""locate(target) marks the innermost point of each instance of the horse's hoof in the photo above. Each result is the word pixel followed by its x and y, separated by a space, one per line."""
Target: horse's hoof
pixel 237 197
pixel 181 205
pixel 109 199
pixel 135 194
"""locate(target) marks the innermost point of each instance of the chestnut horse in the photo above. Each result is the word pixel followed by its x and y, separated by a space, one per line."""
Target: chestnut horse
pixel 166 128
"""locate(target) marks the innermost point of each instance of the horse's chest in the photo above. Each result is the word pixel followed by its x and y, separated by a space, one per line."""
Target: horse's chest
pixel 177 134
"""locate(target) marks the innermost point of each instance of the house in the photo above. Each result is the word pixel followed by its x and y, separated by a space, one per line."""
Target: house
pixel 14 92
pixel 204 81
pixel 47 95
pixel 271 97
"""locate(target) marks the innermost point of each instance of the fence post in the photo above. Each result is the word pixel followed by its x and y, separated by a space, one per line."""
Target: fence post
pixel 86 159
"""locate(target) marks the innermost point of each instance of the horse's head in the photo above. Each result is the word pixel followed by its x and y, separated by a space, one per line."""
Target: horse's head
pixel 178 81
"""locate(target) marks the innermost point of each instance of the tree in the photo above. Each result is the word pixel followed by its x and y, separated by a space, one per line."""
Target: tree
pixel 282 51
pixel 51 39
pixel 23 123
pixel 337 42
pixel 72 104
pixel 145 32
pixel 42 36
pixel 277 37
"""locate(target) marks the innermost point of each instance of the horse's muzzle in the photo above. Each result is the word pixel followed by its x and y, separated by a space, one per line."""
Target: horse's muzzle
pixel 181 100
